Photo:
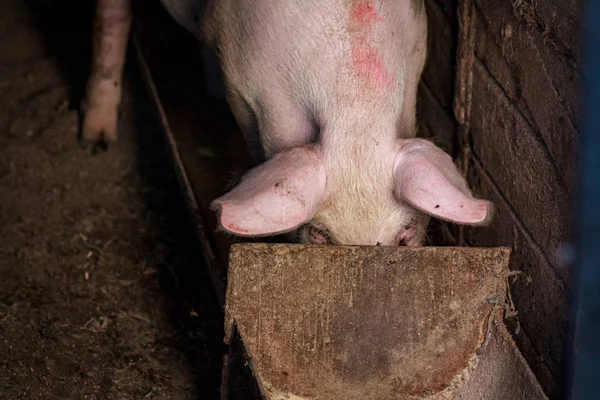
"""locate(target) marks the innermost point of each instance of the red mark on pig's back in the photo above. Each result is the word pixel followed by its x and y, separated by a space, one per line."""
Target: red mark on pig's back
pixel 366 62
pixel 364 13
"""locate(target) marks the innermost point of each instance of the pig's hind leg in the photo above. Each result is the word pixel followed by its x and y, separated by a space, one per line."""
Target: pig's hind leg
pixel 100 106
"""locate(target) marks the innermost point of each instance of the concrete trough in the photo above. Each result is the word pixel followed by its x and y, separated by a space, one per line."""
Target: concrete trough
pixel 351 322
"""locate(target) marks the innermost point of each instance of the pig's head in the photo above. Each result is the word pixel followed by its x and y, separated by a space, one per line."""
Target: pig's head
pixel 362 200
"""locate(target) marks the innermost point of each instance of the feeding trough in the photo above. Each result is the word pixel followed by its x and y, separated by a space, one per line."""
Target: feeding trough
pixel 349 322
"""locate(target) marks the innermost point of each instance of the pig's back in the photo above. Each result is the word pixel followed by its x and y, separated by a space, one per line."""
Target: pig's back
pixel 325 55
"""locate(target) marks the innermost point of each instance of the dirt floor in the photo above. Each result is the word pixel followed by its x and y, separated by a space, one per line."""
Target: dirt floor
pixel 103 294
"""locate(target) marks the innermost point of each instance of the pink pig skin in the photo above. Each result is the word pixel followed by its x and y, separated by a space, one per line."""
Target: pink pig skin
pixel 329 90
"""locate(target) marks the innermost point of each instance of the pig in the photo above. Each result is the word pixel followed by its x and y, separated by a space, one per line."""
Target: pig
pixel 328 89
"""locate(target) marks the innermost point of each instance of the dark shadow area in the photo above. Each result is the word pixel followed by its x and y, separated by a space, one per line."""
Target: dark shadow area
pixel 67 29
pixel 183 276
pixel 241 384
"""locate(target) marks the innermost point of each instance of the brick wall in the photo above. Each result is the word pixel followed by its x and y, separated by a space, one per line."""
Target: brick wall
pixel 499 92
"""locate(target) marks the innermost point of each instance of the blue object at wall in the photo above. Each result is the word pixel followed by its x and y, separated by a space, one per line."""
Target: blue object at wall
pixel 585 363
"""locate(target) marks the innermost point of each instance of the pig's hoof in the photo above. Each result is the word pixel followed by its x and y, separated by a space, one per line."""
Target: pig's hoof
pixel 99 128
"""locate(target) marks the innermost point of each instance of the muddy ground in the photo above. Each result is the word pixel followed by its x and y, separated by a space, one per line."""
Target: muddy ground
pixel 103 294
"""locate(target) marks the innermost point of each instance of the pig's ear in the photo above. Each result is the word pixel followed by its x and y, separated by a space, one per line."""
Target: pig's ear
pixel 426 178
pixel 275 197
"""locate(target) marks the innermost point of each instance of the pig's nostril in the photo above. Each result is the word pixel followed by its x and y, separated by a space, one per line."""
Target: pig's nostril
pixel 317 235
pixel 406 235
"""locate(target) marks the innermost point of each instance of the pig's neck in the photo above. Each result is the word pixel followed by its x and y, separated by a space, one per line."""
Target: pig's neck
pixel 359 204
pixel 360 148
pixel 360 138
